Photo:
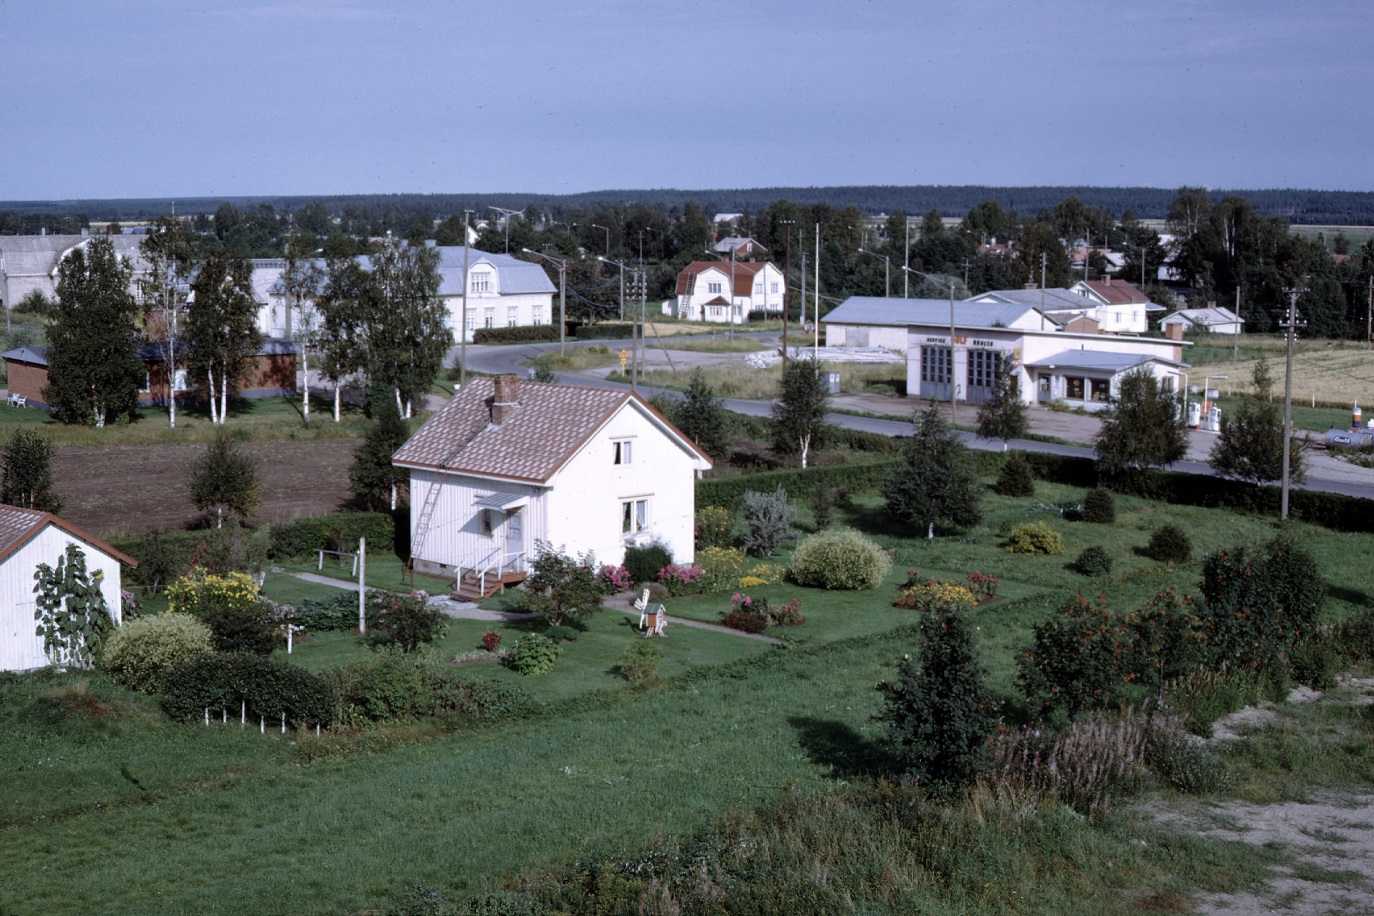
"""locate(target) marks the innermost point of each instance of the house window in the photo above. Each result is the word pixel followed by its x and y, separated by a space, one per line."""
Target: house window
pixel 773 287
pixel 489 319
pixel 147 383
pixel 472 321
pixel 512 316
pixel 713 289
pixel 634 515
pixel 481 283
pixel 1073 387
pixel 486 522
pixel 1101 389
pixel 758 288
pixel 181 380
pixel 622 451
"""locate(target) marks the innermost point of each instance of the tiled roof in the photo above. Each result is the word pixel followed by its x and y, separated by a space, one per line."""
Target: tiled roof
pixel 18 525
pixel 1116 292
pixel 549 425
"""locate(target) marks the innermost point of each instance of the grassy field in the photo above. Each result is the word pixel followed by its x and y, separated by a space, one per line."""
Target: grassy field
pixel 762 384
pixel 1337 373
pixel 109 808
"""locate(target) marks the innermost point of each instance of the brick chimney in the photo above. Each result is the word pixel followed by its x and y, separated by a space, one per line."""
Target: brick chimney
pixel 504 401
pixel 1173 331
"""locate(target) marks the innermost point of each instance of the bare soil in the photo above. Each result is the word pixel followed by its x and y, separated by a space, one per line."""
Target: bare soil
pixel 136 488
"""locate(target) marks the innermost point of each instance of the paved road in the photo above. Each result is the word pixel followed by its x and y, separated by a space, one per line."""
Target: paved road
pixel 891 416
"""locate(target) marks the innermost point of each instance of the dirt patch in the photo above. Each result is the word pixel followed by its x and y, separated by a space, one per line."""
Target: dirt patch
pixel 136 488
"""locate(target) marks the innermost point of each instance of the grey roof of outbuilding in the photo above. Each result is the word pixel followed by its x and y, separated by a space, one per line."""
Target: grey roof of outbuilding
pixel 149 350
pixel 1101 360
pixel 513 275
pixel 1049 299
pixel 884 311
pixel 34 255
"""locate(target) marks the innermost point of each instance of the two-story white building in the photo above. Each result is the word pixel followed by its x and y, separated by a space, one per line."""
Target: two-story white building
pixel 726 292
pixel 506 463
pixel 502 291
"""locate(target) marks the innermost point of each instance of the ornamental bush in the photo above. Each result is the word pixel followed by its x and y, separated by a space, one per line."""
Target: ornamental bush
pixel 643 563
pixel 839 558
pixel 714 528
pixel 745 620
pixel 532 655
pixel 404 621
pixel 615 578
pixel 1035 537
pixel 1169 544
pixel 1016 478
pixel 139 654
pixel 637 664
pixel 1099 506
pixel 1093 561
pixel 231 607
pixel 675 580
pixel 936 596
pixel 721 568
pixel 1078 659
pixel 768 519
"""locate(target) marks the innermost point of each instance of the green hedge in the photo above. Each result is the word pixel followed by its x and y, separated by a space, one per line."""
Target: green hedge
pixel 521 334
pixel 268 688
pixel 799 484
pixel 836 438
pixel 608 330
pixel 341 531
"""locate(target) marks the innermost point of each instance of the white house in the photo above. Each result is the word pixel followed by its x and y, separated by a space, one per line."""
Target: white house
pixel 29 262
pixel 1050 361
pixel 502 291
pixel 727 292
pixel 27 538
pixel 1120 305
pixel 1214 318
pixel 505 463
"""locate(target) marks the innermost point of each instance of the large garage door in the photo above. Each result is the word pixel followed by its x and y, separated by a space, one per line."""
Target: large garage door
pixel 936 373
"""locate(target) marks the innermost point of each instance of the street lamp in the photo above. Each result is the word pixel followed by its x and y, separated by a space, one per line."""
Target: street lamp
pixel 608 246
pixel 887 270
pixel 952 375
pixel 562 266
pixel 641 240
pixel 507 214
pixel 634 340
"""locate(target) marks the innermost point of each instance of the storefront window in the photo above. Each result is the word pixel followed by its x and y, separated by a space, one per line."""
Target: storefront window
pixel 1102 389
pixel 1074 387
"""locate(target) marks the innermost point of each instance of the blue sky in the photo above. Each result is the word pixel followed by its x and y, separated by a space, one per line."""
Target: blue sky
pixel 161 99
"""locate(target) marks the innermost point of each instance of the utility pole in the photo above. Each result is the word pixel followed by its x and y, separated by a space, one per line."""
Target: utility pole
pixel 816 341
pixel 906 260
pixel 1369 317
pixel 1235 344
pixel 463 334
pixel 1292 325
pixel 786 288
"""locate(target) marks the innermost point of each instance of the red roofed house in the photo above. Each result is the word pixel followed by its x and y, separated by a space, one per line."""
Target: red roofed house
pixel 29 537
pixel 1118 306
pixel 704 290
pixel 506 463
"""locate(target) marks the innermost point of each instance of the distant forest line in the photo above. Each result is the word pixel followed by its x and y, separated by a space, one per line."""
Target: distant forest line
pixel 1298 206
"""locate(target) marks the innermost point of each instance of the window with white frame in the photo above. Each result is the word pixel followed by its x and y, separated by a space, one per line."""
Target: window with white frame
pixel 758 288
pixel 512 316
pixel 773 287
pixel 472 321
pixel 481 282
pixel 634 515
pixel 623 451
pixel 486 522
pixel 147 383
pixel 713 289
pixel 489 319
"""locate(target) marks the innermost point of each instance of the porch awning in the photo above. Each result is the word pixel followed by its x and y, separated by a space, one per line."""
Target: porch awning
pixel 502 501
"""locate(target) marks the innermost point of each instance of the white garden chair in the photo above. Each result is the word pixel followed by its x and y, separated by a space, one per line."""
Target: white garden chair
pixel 642 605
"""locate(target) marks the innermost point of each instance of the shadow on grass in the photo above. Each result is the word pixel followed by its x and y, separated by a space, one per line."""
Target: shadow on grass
pixel 837 746
pixel 1355 596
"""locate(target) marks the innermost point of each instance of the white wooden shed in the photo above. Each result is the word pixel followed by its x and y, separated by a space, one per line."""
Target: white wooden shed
pixel 29 537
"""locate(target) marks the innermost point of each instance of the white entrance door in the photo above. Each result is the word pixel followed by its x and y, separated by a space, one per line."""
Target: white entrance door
pixel 515 541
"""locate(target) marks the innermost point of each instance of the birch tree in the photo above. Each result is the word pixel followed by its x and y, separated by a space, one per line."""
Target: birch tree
pixel 408 334
pixel 222 334
pixel 342 335
pixel 162 290
pixel 799 412
pixel 301 281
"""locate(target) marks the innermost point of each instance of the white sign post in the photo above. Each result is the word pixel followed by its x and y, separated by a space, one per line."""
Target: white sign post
pixel 362 589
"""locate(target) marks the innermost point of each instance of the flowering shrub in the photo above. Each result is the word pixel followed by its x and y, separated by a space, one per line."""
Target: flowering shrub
pixel 839 558
pixel 713 527
pixel 740 602
pixel 405 620
pixel 617 578
pixel 984 585
pixel 786 615
pixel 765 573
pixel 938 595
pixel 196 596
pixel 747 614
pixel 721 568
pixel 280 614
pixel 1080 655
pixel 681 580
pixel 232 608
pixel 491 640
pixel 751 582
pixel 138 654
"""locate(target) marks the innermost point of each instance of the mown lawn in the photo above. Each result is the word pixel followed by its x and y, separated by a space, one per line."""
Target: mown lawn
pixel 109 808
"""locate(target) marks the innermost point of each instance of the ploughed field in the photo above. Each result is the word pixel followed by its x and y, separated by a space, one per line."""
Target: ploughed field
pixel 137 488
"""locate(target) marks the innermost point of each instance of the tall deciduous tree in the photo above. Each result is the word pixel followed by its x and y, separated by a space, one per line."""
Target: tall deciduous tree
pixel 373 478
pixel 170 259
pixel 799 412
pixel 343 304
pixel 27 478
pixel 222 334
pixel 93 367
pixel 935 484
pixel 72 614
pixel 1003 417
pixel 702 417
pixel 225 478
pixel 302 279
pixel 1142 428
pixel 1250 446
pixel 409 335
